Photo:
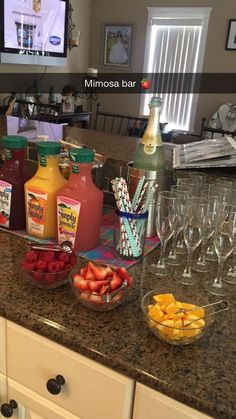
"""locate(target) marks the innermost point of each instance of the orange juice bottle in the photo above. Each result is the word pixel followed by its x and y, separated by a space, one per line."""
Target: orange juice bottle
pixel 40 192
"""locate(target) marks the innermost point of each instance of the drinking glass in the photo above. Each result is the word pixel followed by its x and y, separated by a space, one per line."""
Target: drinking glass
pixel 183 192
pixel 223 242
pixel 166 216
pixel 199 177
pixel 193 231
pixel 212 215
pixel 231 274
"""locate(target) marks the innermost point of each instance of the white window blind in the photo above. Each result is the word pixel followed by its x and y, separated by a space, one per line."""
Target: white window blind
pixel 175 45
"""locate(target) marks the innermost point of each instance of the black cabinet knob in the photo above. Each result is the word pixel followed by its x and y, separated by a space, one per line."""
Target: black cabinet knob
pixel 54 384
pixel 7 408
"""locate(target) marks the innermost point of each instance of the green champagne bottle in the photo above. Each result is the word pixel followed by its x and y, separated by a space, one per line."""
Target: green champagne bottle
pixel 150 152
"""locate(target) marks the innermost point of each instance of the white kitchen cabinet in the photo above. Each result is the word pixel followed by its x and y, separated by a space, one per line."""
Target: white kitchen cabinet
pixel 151 404
pixel 2 346
pixel 90 390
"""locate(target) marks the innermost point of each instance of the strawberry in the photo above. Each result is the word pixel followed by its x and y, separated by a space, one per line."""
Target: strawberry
pixel 96 299
pixel 83 271
pixel 53 266
pixel 89 275
pixel 41 265
pixel 116 281
pixel 84 295
pixel 95 286
pixel 100 272
pixel 104 289
pixel 80 282
pixel 123 274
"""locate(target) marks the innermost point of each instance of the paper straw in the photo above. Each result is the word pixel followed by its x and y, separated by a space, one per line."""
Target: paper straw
pixel 137 193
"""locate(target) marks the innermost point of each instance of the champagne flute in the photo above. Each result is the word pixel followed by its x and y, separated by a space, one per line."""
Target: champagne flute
pixel 223 242
pixel 231 275
pixel 193 231
pixel 166 213
pixel 183 192
pixel 211 219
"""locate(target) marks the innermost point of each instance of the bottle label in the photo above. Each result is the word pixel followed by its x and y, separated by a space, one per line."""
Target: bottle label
pixel 43 161
pixel 36 204
pixel 8 154
pixel 68 210
pixel 149 149
pixel 5 203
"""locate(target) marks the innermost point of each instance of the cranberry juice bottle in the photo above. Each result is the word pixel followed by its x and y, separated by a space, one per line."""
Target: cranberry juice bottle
pixel 79 204
pixel 13 175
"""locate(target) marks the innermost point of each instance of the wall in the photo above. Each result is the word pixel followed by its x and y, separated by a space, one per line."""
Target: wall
pixel 77 58
pixel 217 59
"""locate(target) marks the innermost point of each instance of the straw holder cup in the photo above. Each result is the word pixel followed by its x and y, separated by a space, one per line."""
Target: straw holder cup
pixel 151 176
pixel 129 234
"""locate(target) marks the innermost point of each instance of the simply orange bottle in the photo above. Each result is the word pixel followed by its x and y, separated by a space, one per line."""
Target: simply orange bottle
pixel 79 204
pixel 40 192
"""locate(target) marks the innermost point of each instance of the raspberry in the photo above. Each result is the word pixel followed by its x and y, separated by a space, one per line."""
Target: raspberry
pixel 53 266
pixel 49 256
pixel 49 278
pixel 31 256
pixel 41 265
pixel 61 264
pixel 64 256
pixel 29 266
pixel 38 276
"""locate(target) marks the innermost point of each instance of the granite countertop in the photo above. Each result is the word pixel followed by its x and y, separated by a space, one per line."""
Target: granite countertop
pixel 201 375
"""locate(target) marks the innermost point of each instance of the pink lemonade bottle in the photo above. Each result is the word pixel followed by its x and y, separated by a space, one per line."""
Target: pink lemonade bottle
pixel 79 204
pixel 13 175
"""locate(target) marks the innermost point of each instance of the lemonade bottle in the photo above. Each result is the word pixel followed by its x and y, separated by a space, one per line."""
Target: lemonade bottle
pixel 79 204
pixel 40 192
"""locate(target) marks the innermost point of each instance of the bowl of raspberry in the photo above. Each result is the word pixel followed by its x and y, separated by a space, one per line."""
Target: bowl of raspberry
pixel 48 268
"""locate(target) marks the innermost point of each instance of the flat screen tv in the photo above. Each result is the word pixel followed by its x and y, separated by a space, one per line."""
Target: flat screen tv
pixel 34 31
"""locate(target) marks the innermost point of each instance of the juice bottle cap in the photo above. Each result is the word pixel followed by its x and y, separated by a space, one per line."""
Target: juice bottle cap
pixel 14 141
pixel 48 148
pixel 82 155
pixel 155 101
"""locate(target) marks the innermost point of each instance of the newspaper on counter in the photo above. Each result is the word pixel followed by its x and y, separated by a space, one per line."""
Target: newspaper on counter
pixel 218 152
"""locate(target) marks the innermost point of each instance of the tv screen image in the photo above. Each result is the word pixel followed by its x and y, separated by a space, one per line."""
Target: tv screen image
pixel 34 28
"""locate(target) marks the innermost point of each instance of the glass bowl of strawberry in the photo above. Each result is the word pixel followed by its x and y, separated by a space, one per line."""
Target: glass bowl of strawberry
pixel 100 287
pixel 48 268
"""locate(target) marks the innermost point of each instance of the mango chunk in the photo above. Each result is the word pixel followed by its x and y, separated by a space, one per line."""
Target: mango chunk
pixel 171 321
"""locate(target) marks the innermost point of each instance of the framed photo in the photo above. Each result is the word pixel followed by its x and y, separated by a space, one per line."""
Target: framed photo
pixel 68 104
pixel 231 37
pixel 117 45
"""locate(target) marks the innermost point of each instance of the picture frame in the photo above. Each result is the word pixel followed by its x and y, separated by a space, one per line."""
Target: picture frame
pixel 117 45
pixel 68 104
pixel 231 36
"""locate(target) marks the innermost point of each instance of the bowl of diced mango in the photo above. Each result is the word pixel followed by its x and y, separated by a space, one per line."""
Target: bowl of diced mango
pixel 176 319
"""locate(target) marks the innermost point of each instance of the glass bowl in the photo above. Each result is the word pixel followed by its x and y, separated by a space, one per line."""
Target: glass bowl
pixel 42 276
pixel 174 327
pixel 96 301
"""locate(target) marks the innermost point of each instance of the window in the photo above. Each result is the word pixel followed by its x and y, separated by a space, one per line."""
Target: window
pixel 175 43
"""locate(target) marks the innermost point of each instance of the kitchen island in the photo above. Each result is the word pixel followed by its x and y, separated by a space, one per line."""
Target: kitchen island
pixel 201 375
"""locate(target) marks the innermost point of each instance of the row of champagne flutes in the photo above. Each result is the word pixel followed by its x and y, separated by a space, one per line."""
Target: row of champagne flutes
pixel 200 212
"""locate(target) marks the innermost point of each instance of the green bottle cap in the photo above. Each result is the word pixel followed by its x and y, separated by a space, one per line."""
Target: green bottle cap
pixel 48 148
pixel 81 155
pixel 155 101
pixel 14 141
